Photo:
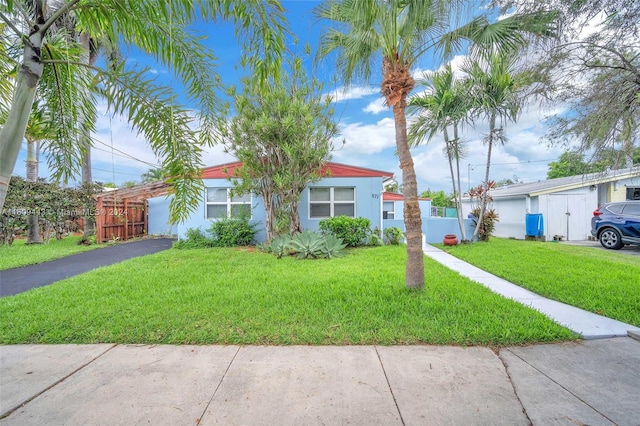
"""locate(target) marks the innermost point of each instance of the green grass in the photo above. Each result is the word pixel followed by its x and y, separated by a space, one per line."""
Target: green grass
pixel 236 296
pixel 603 282
pixel 20 254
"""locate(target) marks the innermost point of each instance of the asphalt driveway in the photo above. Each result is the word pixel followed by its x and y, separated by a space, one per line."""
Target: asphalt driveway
pixel 18 280
pixel 631 250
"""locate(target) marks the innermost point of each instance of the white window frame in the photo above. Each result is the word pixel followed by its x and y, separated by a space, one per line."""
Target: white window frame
pixel 391 214
pixel 332 202
pixel 228 203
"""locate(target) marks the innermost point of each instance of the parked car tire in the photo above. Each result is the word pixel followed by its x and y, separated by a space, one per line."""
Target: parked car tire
pixel 610 239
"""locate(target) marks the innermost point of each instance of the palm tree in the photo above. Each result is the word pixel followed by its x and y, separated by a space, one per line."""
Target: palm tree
pixel 38 131
pixel 495 94
pixel 153 175
pixel 399 32
pixel 443 105
pixel 50 62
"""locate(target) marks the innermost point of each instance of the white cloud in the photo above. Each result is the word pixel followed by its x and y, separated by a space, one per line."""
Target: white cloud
pixel 365 138
pixel 343 93
pixel 376 106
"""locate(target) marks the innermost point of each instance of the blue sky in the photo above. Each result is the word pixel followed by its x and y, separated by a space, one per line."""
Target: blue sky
pixel 366 125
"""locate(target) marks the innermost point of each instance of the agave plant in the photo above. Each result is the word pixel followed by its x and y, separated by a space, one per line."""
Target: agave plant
pixel 333 247
pixel 307 245
pixel 279 245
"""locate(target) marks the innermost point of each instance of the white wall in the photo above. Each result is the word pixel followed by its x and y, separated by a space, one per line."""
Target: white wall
pixel 511 217
pixel 619 189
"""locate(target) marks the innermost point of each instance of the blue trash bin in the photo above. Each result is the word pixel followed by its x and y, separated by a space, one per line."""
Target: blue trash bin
pixel 534 225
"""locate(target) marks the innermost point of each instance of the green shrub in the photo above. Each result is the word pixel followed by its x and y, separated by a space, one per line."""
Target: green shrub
pixel 352 231
pixel 196 238
pixel 232 232
pixel 375 240
pixel 393 235
pixel 488 225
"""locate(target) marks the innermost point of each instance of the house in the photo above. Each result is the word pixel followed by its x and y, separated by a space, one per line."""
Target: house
pixel 559 208
pixel 346 190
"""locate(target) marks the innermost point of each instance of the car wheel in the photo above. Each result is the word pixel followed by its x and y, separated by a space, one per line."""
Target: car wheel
pixel 610 239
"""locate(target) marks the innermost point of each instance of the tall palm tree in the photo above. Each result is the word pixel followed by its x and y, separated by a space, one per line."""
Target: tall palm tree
pixel 397 33
pixel 50 62
pixel 495 92
pixel 441 106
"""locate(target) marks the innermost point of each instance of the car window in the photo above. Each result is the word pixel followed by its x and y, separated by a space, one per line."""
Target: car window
pixel 632 209
pixel 615 208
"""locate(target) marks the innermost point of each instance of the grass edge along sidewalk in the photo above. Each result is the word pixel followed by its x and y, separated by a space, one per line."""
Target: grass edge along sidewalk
pixel 241 296
pixel 603 282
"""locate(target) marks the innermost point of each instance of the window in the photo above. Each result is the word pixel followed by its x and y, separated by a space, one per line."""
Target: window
pixel 632 209
pixel 388 210
pixel 633 193
pixel 330 202
pixel 220 204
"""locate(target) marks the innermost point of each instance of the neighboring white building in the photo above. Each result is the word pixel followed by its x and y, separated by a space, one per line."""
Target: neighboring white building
pixel 565 204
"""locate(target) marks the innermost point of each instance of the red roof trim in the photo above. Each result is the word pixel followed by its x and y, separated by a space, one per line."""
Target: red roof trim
pixel 224 171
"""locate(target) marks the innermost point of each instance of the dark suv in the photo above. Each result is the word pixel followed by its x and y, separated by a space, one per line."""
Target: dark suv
pixel 617 224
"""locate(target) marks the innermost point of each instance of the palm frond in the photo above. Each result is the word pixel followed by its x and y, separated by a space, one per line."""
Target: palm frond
pixel 68 103
pixel 153 111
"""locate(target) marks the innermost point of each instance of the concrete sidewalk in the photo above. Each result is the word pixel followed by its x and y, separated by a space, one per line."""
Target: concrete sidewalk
pixel 587 324
pixel 590 382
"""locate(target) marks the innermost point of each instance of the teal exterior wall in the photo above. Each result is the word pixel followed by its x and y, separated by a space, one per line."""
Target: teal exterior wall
pixel 368 204
pixel 368 199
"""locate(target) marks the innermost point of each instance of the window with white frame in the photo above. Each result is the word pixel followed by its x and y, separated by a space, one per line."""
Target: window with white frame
pixel 222 204
pixel 388 210
pixel 332 201
pixel 633 193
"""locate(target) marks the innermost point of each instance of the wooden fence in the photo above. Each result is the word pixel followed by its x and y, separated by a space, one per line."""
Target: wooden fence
pixel 120 219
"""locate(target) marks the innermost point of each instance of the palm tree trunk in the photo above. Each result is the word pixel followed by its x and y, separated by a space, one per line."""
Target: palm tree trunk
pixel 412 218
pixel 85 139
pixel 450 154
pixel 458 192
pixel 33 225
pixel 14 128
pixel 485 193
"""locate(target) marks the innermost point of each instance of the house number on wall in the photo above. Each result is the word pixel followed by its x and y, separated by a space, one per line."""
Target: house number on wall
pixel 376 196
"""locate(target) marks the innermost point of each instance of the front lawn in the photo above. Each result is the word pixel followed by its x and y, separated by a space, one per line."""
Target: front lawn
pixel 20 254
pixel 603 282
pixel 242 296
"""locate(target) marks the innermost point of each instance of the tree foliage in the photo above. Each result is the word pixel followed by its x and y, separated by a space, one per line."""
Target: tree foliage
pixel 56 208
pixel 283 134
pixel 439 198
pixel 153 175
pixel 37 40
pixel 572 163
pixel 442 105
pixel 593 71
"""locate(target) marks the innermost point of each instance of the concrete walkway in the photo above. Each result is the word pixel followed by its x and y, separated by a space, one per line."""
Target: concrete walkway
pixel 586 324
pixel 592 382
